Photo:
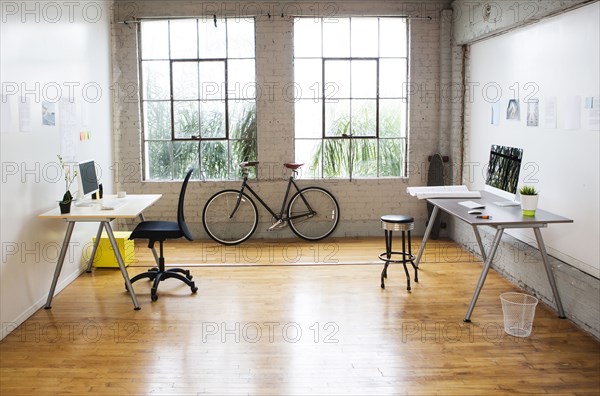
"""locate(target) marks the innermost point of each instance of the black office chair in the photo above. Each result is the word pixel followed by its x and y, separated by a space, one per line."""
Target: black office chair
pixel 159 231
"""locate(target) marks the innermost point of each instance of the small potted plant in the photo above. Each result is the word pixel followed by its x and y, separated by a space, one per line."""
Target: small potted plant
pixel 529 200
pixel 65 203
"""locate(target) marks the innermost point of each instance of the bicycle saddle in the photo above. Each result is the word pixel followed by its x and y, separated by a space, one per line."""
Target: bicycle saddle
pixel 248 163
pixel 292 165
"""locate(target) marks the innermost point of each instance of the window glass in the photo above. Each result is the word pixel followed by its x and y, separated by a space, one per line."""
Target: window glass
pixel 183 38
pixel 198 96
pixel 355 124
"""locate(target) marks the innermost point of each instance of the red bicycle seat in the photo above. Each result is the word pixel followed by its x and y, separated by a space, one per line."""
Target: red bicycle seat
pixel 292 165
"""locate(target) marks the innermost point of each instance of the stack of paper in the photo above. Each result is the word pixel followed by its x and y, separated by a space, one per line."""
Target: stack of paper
pixel 442 192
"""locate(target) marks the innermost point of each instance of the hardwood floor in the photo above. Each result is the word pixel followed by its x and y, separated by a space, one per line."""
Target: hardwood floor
pixel 262 324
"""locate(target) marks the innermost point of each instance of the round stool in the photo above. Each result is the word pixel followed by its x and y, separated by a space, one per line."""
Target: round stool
pixel 391 223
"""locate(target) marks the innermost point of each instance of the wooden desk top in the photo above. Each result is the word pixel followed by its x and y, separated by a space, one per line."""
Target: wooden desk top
pixel 134 205
pixel 501 215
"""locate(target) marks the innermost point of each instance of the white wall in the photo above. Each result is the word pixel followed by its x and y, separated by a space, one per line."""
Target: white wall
pixel 48 50
pixel 518 261
pixel 556 58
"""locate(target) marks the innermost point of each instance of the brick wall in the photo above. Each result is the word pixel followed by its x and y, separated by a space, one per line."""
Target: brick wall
pixel 362 202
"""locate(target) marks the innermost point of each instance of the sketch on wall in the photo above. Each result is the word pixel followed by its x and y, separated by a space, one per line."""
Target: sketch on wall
pixel 533 112
pixel 512 111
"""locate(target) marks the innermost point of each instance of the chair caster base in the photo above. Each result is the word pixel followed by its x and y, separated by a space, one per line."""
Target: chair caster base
pixel 157 275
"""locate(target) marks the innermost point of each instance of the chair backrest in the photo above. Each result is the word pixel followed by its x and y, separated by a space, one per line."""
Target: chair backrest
pixel 180 216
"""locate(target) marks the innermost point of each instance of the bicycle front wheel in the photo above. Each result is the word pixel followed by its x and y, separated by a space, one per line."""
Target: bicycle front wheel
pixel 313 213
pixel 230 217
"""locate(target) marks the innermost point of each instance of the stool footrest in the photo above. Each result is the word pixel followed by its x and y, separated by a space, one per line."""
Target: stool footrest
pixel 406 257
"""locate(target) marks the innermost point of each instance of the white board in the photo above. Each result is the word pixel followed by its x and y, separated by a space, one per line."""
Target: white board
pixel 555 62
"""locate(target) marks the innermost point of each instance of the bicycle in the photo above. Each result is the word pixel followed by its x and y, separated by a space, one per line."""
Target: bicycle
pixel 230 216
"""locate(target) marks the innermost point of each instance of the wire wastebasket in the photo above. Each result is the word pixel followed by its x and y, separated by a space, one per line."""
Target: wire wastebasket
pixel 518 310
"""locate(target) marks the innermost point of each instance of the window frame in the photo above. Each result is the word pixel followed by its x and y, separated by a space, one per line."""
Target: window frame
pixel 324 98
pixel 227 99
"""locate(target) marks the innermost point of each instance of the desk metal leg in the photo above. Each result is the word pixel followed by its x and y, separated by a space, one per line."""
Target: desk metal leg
pixel 60 262
pixel 95 247
pixel 115 247
pixel 542 248
pixel 478 237
pixel 426 236
pixel 484 272
pixel 156 258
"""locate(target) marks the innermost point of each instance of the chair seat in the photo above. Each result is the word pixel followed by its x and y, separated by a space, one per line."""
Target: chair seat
pixel 397 219
pixel 157 230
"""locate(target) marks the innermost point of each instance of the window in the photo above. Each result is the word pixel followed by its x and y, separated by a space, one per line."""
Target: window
pixel 198 96
pixel 351 105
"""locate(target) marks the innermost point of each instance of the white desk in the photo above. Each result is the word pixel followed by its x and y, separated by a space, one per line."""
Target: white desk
pixel 133 208
pixel 502 218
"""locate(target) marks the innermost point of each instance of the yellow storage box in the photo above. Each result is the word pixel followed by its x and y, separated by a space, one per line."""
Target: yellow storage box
pixel 105 257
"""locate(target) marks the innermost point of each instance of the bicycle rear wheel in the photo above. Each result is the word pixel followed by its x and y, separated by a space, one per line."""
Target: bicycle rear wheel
pixel 226 224
pixel 313 213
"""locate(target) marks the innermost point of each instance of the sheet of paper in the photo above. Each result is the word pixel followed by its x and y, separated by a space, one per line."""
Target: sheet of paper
pixel 513 111
pixel 48 113
pixel 533 112
pixel 591 113
pixel 496 113
pixel 550 112
pixel 67 128
pixel 25 124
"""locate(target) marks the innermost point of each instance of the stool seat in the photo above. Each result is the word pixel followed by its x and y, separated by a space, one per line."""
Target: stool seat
pixel 405 224
pixel 397 219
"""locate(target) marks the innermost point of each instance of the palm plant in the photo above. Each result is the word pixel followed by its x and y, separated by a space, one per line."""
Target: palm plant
pixel 345 155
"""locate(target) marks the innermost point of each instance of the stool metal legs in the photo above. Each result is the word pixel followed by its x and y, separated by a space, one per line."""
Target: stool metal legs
pixel 407 257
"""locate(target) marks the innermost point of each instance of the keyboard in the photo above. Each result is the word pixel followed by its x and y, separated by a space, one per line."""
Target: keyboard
pixel 84 204
pixel 472 204
pixel 507 203
pixel 112 204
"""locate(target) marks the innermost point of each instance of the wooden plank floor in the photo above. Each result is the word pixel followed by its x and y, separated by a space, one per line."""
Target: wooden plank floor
pixel 266 326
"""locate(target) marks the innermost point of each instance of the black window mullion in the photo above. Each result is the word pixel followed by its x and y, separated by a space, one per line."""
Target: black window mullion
pixel 377 98
pixel 226 97
pixel 171 96
pixel 199 89
pixel 323 83
pixel 226 64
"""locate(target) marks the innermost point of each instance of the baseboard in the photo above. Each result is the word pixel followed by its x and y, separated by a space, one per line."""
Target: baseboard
pixel 10 326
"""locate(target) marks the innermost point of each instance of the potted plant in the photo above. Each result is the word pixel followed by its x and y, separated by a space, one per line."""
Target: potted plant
pixel 529 200
pixel 65 203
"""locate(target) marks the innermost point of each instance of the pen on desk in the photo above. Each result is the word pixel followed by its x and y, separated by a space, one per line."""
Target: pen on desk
pixel 484 217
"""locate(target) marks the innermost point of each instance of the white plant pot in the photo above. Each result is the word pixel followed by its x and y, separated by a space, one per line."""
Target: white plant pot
pixel 529 204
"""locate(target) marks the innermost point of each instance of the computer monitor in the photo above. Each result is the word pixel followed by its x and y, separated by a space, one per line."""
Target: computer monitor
pixel 503 173
pixel 88 181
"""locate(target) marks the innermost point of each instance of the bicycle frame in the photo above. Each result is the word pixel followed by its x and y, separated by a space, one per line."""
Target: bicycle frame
pixel 281 216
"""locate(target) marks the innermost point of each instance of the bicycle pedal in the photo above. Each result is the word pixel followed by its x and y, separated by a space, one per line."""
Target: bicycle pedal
pixel 279 224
